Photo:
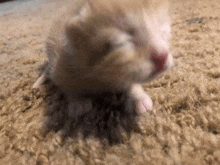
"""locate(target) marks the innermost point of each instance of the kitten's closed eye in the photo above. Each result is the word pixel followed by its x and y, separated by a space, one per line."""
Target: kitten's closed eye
pixel 131 31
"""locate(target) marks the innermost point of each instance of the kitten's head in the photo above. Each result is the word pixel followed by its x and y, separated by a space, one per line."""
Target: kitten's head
pixel 124 41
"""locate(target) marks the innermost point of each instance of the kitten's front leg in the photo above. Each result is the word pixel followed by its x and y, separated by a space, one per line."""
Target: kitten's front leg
pixel 140 100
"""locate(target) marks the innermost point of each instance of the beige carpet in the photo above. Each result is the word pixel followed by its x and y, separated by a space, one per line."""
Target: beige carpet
pixel 184 129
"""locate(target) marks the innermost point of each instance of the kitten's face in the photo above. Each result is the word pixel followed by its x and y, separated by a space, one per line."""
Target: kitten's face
pixel 129 48
pixel 139 51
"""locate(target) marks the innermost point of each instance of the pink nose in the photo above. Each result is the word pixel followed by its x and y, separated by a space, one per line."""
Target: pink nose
pixel 159 60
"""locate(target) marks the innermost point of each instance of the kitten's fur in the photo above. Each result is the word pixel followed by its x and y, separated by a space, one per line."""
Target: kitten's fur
pixel 109 45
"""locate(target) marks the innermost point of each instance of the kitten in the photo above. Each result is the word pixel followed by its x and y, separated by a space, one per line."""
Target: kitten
pixel 108 45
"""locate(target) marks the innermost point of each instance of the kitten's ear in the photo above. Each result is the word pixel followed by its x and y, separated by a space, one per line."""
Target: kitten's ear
pixel 92 5
pixel 73 24
pixel 105 7
pixel 75 31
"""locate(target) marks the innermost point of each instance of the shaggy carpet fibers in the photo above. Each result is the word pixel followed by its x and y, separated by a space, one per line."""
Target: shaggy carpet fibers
pixel 185 125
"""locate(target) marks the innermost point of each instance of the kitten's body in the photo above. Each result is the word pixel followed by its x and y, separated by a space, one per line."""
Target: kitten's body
pixel 101 45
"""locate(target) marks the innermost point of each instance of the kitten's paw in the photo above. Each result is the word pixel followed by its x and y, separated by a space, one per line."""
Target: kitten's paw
pixel 142 104
pixel 78 107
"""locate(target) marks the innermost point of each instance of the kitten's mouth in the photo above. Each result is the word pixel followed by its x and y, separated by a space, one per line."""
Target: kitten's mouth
pixel 158 70
pixel 164 67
